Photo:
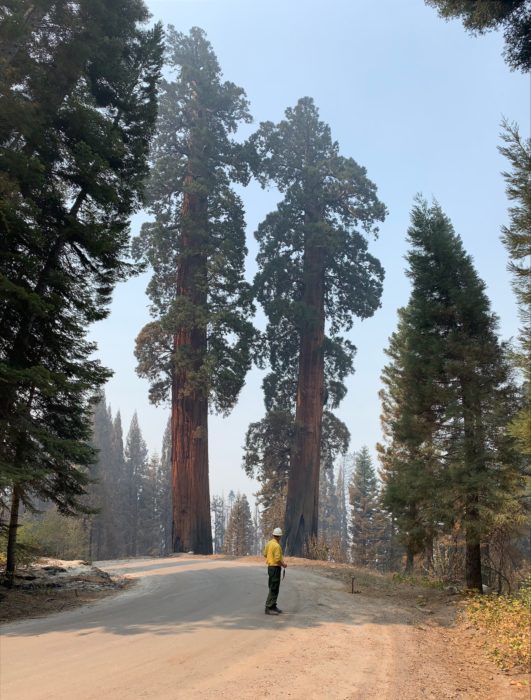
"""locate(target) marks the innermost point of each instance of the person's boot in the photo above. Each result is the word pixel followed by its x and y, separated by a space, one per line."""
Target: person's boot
pixel 271 611
pixel 277 610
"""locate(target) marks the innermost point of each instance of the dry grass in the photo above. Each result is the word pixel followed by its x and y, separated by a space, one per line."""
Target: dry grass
pixel 505 622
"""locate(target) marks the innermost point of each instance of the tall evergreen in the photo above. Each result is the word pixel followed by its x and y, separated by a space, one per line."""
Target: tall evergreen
pixel 342 510
pixel 448 394
pixel 367 521
pixel 238 539
pixel 136 466
pixel 77 109
pixel 197 350
pixel 314 269
pixel 516 237
pixel 165 489
pixel 98 491
pixel 218 516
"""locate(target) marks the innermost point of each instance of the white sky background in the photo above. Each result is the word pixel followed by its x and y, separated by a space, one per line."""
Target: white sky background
pixel 415 100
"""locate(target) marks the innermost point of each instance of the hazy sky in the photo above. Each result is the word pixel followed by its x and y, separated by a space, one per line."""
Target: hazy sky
pixel 415 100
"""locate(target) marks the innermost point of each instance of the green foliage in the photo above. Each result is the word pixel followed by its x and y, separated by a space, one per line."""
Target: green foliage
pixel 267 450
pixel 369 525
pixel 238 539
pixel 448 394
pixel 329 206
pixel 78 107
pixel 517 240
pixel 51 534
pixel 479 16
pixel 314 273
pixel 198 233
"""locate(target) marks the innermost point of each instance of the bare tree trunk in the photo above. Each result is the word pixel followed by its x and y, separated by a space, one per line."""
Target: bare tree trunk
pixel 191 529
pixel 12 537
pixel 473 448
pixel 473 577
pixel 302 504
pixel 410 560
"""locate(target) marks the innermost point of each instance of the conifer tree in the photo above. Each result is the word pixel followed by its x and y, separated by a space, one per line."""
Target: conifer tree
pixel 314 268
pixel 148 528
pixel 367 524
pixel 197 350
pixel 136 465
pixel 164 489
pixel 218 516
pixel 517 240
pixel 342 511
pixel 77 110
pixel 98 491
pixel 448 395
pixel 239 534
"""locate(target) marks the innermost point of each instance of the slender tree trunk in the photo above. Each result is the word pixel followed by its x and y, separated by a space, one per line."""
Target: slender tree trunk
pixel 473 449
pixel 191 530
pixel 12 537
pixel 410 560
pixel 302 504
pixel 473 575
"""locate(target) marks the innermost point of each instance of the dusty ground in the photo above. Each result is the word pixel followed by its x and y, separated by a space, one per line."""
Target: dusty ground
pixel 194 628
pixel 54 585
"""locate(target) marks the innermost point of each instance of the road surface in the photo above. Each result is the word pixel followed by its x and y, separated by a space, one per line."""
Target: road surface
pixel 195 628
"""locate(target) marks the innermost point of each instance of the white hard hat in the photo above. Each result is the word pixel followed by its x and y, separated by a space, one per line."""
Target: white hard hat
pixel 278 532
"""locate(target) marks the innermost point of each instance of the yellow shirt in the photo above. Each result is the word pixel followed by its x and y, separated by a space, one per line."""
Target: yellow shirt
pixel 273 553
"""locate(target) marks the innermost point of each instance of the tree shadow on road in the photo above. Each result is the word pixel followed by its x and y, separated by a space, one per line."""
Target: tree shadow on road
pixel 217 594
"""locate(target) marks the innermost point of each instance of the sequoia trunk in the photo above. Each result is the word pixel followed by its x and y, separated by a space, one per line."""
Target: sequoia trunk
pixel 191 530
pixel 303 482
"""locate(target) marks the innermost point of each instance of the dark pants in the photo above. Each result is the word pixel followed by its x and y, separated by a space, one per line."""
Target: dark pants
pixel 273 574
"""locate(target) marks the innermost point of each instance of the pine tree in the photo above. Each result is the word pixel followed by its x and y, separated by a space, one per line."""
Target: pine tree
pixel 197 351
pixel 98 491
pixel 517 240
pixel 239 533
pixel 412 475
pixel 448 395
pixel 148 528
pixel 77 110
pixel 164 490
pixel 368 524
pixel 218 514
pixel 342 511
pixel 314 268
pixel 136 465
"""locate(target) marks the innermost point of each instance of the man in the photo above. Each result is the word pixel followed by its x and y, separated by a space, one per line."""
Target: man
pixel 275 563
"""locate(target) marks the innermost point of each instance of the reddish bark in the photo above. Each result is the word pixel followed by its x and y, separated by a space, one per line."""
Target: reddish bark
pixel 303 483
pixel 189 420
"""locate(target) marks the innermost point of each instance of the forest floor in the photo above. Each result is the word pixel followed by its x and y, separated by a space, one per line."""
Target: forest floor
pixel 390 638
pixel 52 585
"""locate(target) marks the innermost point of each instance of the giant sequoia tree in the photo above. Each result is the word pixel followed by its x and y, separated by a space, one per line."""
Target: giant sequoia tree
pixel 448 459
pixel 314 269
pixel 77 109
pixel 197 351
